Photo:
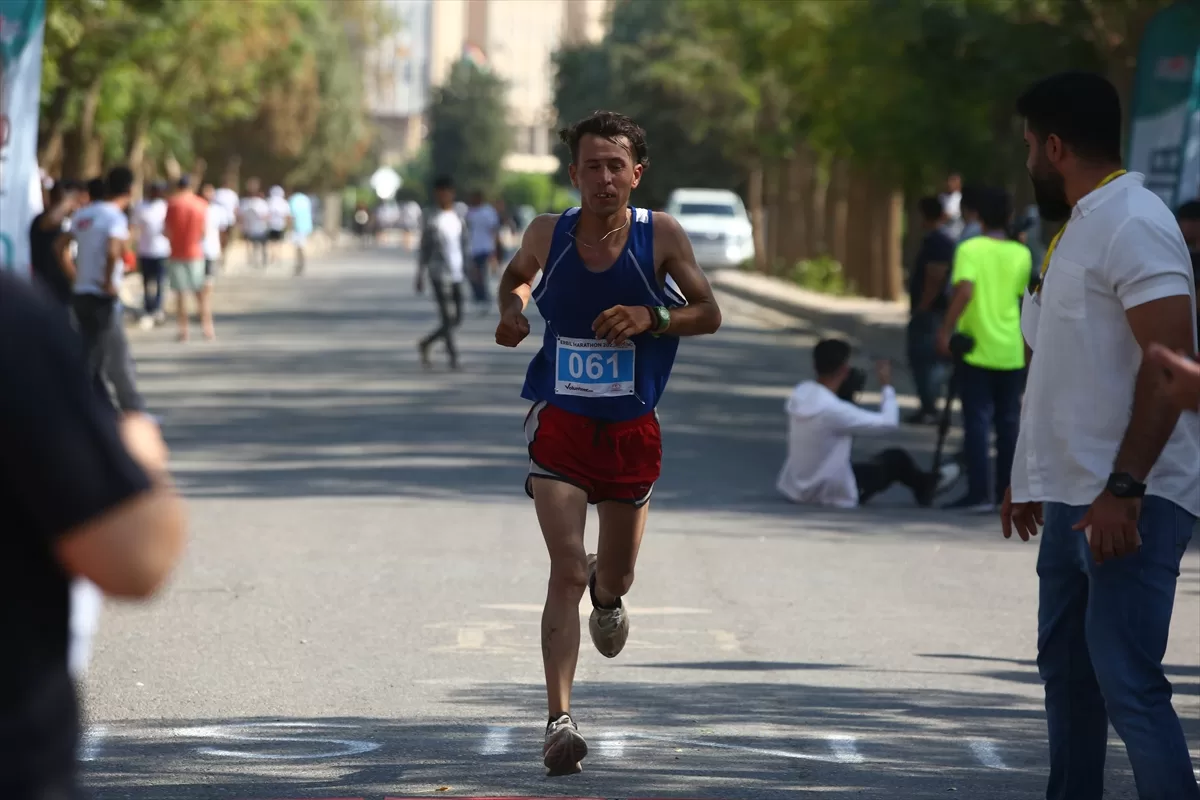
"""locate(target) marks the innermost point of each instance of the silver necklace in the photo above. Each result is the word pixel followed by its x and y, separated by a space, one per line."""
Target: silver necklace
pixel 605 236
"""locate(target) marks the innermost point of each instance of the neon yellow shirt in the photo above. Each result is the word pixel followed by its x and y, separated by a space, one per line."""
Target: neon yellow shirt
pixel 999 270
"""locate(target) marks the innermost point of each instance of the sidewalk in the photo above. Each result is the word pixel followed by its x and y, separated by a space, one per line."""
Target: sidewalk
pixel 876 327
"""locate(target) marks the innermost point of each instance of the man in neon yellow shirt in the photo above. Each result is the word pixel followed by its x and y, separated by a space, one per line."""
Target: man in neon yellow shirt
pixel 989 276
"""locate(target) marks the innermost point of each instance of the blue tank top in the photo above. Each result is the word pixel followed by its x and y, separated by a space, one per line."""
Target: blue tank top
pixel 574 370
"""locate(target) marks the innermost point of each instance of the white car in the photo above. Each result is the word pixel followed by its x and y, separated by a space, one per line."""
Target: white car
pixel 716 222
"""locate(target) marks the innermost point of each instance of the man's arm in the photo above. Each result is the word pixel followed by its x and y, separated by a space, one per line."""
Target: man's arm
pixel 62 252
pixel 935 279
pixel 1149 267
pixel 78 483
pixel 849 418
pixel 701 315
pixel 1166 322
pixel 516 283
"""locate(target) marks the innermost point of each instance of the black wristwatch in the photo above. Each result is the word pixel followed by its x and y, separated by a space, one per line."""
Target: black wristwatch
pixel 1123 485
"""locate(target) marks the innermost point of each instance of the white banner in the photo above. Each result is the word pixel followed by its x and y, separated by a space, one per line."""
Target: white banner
pixel 21 32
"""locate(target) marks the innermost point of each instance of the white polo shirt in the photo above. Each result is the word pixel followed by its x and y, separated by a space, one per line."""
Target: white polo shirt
pixel 1122 248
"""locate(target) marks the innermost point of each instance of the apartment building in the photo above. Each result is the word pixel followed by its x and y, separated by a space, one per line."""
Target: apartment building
pixel 515 38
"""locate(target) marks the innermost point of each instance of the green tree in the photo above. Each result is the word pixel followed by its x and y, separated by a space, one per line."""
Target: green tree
pixel 469 133
pixel 611 75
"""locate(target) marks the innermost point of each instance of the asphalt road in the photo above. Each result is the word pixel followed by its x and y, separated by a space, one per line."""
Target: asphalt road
pixel 357 615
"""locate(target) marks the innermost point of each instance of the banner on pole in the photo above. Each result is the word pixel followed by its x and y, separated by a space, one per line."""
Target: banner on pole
pixel 22 27
pixel 1164 135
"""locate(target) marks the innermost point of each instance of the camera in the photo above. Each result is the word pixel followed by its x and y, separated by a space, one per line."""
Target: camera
pixel 854 383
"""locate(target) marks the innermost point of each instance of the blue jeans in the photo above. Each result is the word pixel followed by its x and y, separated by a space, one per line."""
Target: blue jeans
pixel 929 370
pixel 990 398
pixel 479 277
pixel 1102 634
pixel 154 272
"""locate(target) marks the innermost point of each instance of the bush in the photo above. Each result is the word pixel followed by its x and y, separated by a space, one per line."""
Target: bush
pixel 822 274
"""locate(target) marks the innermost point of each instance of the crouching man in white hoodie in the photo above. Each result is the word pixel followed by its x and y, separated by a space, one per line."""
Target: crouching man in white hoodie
pixel 822 421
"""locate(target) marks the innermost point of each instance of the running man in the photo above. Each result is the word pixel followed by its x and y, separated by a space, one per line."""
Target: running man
pixel 619 286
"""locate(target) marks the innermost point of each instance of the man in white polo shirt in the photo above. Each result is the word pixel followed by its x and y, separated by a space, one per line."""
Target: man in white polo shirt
pixel 1103 460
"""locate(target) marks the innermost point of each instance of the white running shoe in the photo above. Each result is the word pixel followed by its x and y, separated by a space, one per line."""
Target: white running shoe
pixel 609 627
pixel 564 747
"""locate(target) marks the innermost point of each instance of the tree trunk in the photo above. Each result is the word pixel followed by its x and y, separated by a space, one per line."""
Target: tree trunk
pixel 860 220
pixel 51 152
pixel 77 157
pixel 776 221
pixel 893 253
pixel 837 202
pixel 136 154
pixel 876 206
pixel 791 217
pixel 757 219
pixel 811 203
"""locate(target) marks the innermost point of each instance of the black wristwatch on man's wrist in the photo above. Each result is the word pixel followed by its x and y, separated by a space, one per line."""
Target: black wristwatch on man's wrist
pixel 1125 486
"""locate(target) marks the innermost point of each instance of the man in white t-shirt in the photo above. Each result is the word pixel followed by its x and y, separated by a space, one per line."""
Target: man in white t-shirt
pixel 483 227
pixel 100 231
pixel 153 250
pixel 822 423
pixel 217 220
pixel 442 259
pixel 227 198
pixel 279 217
pixel 1103 461
pixel 254 213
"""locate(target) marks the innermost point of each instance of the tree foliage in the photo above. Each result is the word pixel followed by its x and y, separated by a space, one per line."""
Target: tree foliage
pixel 907 90
pixel 274 83
pixel 469 132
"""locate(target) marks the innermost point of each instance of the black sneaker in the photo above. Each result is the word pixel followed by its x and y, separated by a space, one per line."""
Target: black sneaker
pixel 564 747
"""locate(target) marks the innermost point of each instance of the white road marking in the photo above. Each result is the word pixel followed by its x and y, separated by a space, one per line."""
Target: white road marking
pixel 987 754
pixel 740 748
pixel 230 733
pixel 496 741
pixel 93 738
pixel 612 746
pixel 726 641
pixel 586 607
pixel 471 638
pixel 844 749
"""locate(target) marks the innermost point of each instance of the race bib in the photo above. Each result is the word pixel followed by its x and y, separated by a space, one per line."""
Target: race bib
pixel 593 368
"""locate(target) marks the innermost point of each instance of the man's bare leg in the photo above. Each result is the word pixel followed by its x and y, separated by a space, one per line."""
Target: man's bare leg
pixel 621 529
pixel 204 300
pixel 181 315
pixel 562 513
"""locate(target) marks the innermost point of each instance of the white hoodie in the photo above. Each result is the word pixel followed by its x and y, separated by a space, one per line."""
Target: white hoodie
pixel 820 432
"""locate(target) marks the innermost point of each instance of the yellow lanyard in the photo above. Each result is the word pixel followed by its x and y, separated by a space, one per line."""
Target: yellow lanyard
pixel 1057 236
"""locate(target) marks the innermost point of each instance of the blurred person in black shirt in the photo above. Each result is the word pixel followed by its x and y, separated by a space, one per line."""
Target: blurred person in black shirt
pixel 85 494
pixel 928 290
pixel 49 242
pixel 1189 222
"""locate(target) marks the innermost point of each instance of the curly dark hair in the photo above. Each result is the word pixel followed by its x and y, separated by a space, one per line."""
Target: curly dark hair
pixel 608 125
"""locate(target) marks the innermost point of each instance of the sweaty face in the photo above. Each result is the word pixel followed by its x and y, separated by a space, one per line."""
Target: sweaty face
pixel 1049 186
pixel 605 173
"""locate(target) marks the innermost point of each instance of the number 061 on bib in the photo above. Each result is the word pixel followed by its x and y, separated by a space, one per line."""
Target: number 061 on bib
pixel 594 368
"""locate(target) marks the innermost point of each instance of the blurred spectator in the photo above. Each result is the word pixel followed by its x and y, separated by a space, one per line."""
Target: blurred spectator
pixel 301 209
pixel 928 284
pixel 153 250
pixel 78 505
pixel 951 201
pixel 100 231
pixel 1189 223
pixel 49 243
pixel 483 228
pixel 971 225
pixel 822 422
pixel 990 275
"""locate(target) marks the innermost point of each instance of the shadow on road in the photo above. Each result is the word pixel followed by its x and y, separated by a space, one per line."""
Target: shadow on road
pixel 742 739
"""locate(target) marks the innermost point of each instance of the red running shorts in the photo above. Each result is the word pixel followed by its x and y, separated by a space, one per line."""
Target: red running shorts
pixel 617 461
